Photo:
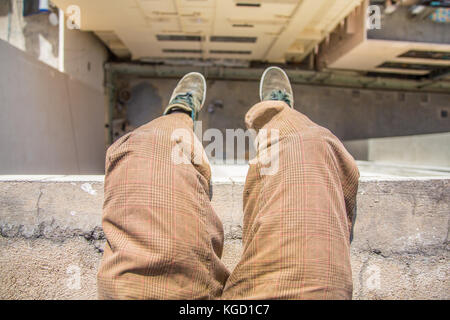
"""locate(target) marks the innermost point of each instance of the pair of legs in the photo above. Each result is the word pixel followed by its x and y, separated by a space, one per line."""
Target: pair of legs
pixel 164 240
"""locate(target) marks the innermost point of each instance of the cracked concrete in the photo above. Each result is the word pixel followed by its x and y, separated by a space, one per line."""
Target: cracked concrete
pixel 400 248
pixel 50 210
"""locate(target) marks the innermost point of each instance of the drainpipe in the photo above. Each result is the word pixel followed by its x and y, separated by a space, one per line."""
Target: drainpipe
pixel 110 77
pixel 61 41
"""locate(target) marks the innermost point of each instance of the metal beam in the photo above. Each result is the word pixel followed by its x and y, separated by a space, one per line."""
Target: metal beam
pixel 306 77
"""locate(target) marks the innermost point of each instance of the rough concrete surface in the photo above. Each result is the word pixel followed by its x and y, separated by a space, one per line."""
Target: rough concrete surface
pixel 48 269
pixel 51 233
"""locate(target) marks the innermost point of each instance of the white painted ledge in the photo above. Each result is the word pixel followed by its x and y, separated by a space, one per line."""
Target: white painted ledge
pixel 235 174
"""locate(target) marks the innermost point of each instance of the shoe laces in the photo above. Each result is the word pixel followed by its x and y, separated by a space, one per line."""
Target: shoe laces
pixel 184 98
pixel 280 95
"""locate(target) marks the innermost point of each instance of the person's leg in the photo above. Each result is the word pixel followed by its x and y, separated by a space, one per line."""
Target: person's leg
pixel 297 216
pixel 164 240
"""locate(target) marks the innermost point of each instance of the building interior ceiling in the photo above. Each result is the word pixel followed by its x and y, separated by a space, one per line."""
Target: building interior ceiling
pixel 261 30
pixel 235 32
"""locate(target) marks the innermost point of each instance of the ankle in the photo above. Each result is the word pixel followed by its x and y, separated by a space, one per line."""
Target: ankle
pixel 179 108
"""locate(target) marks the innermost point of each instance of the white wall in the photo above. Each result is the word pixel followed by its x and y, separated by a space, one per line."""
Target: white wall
pixel 84 57
pixel 50 123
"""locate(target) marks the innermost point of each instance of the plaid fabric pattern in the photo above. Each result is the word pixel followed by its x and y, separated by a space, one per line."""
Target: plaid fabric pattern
pixel 297 222
pixel 165 241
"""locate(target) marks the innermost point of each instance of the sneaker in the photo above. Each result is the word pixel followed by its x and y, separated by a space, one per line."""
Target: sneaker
pixel 189 95
pixel 275 85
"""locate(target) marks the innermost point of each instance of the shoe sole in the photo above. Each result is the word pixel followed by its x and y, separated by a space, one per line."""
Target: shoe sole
pixel 204 84
pixel 262 80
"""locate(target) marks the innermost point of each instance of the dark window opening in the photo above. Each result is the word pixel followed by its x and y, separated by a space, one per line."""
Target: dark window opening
pixel 229 52
pixel 182 51
pixel 233 39
pixel 410 66
pixel 244 4
pixel 444 113
pixel 243 25
pixel 434 55
pixel 164 37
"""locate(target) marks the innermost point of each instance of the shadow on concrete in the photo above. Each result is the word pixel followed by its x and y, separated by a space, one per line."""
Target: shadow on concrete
pixel 144 105
pixel 38 27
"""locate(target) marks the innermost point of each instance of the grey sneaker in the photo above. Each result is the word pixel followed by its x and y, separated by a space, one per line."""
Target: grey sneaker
pixel 189 95
pixel 275 85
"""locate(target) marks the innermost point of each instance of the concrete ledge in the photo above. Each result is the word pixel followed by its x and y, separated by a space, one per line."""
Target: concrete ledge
pixel 431 149
pixel 51 226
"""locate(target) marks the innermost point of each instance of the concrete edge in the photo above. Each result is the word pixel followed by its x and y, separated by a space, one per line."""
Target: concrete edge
pixel 218 181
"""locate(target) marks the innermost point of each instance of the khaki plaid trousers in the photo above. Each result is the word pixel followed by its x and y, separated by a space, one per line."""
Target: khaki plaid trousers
pixel 164 240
